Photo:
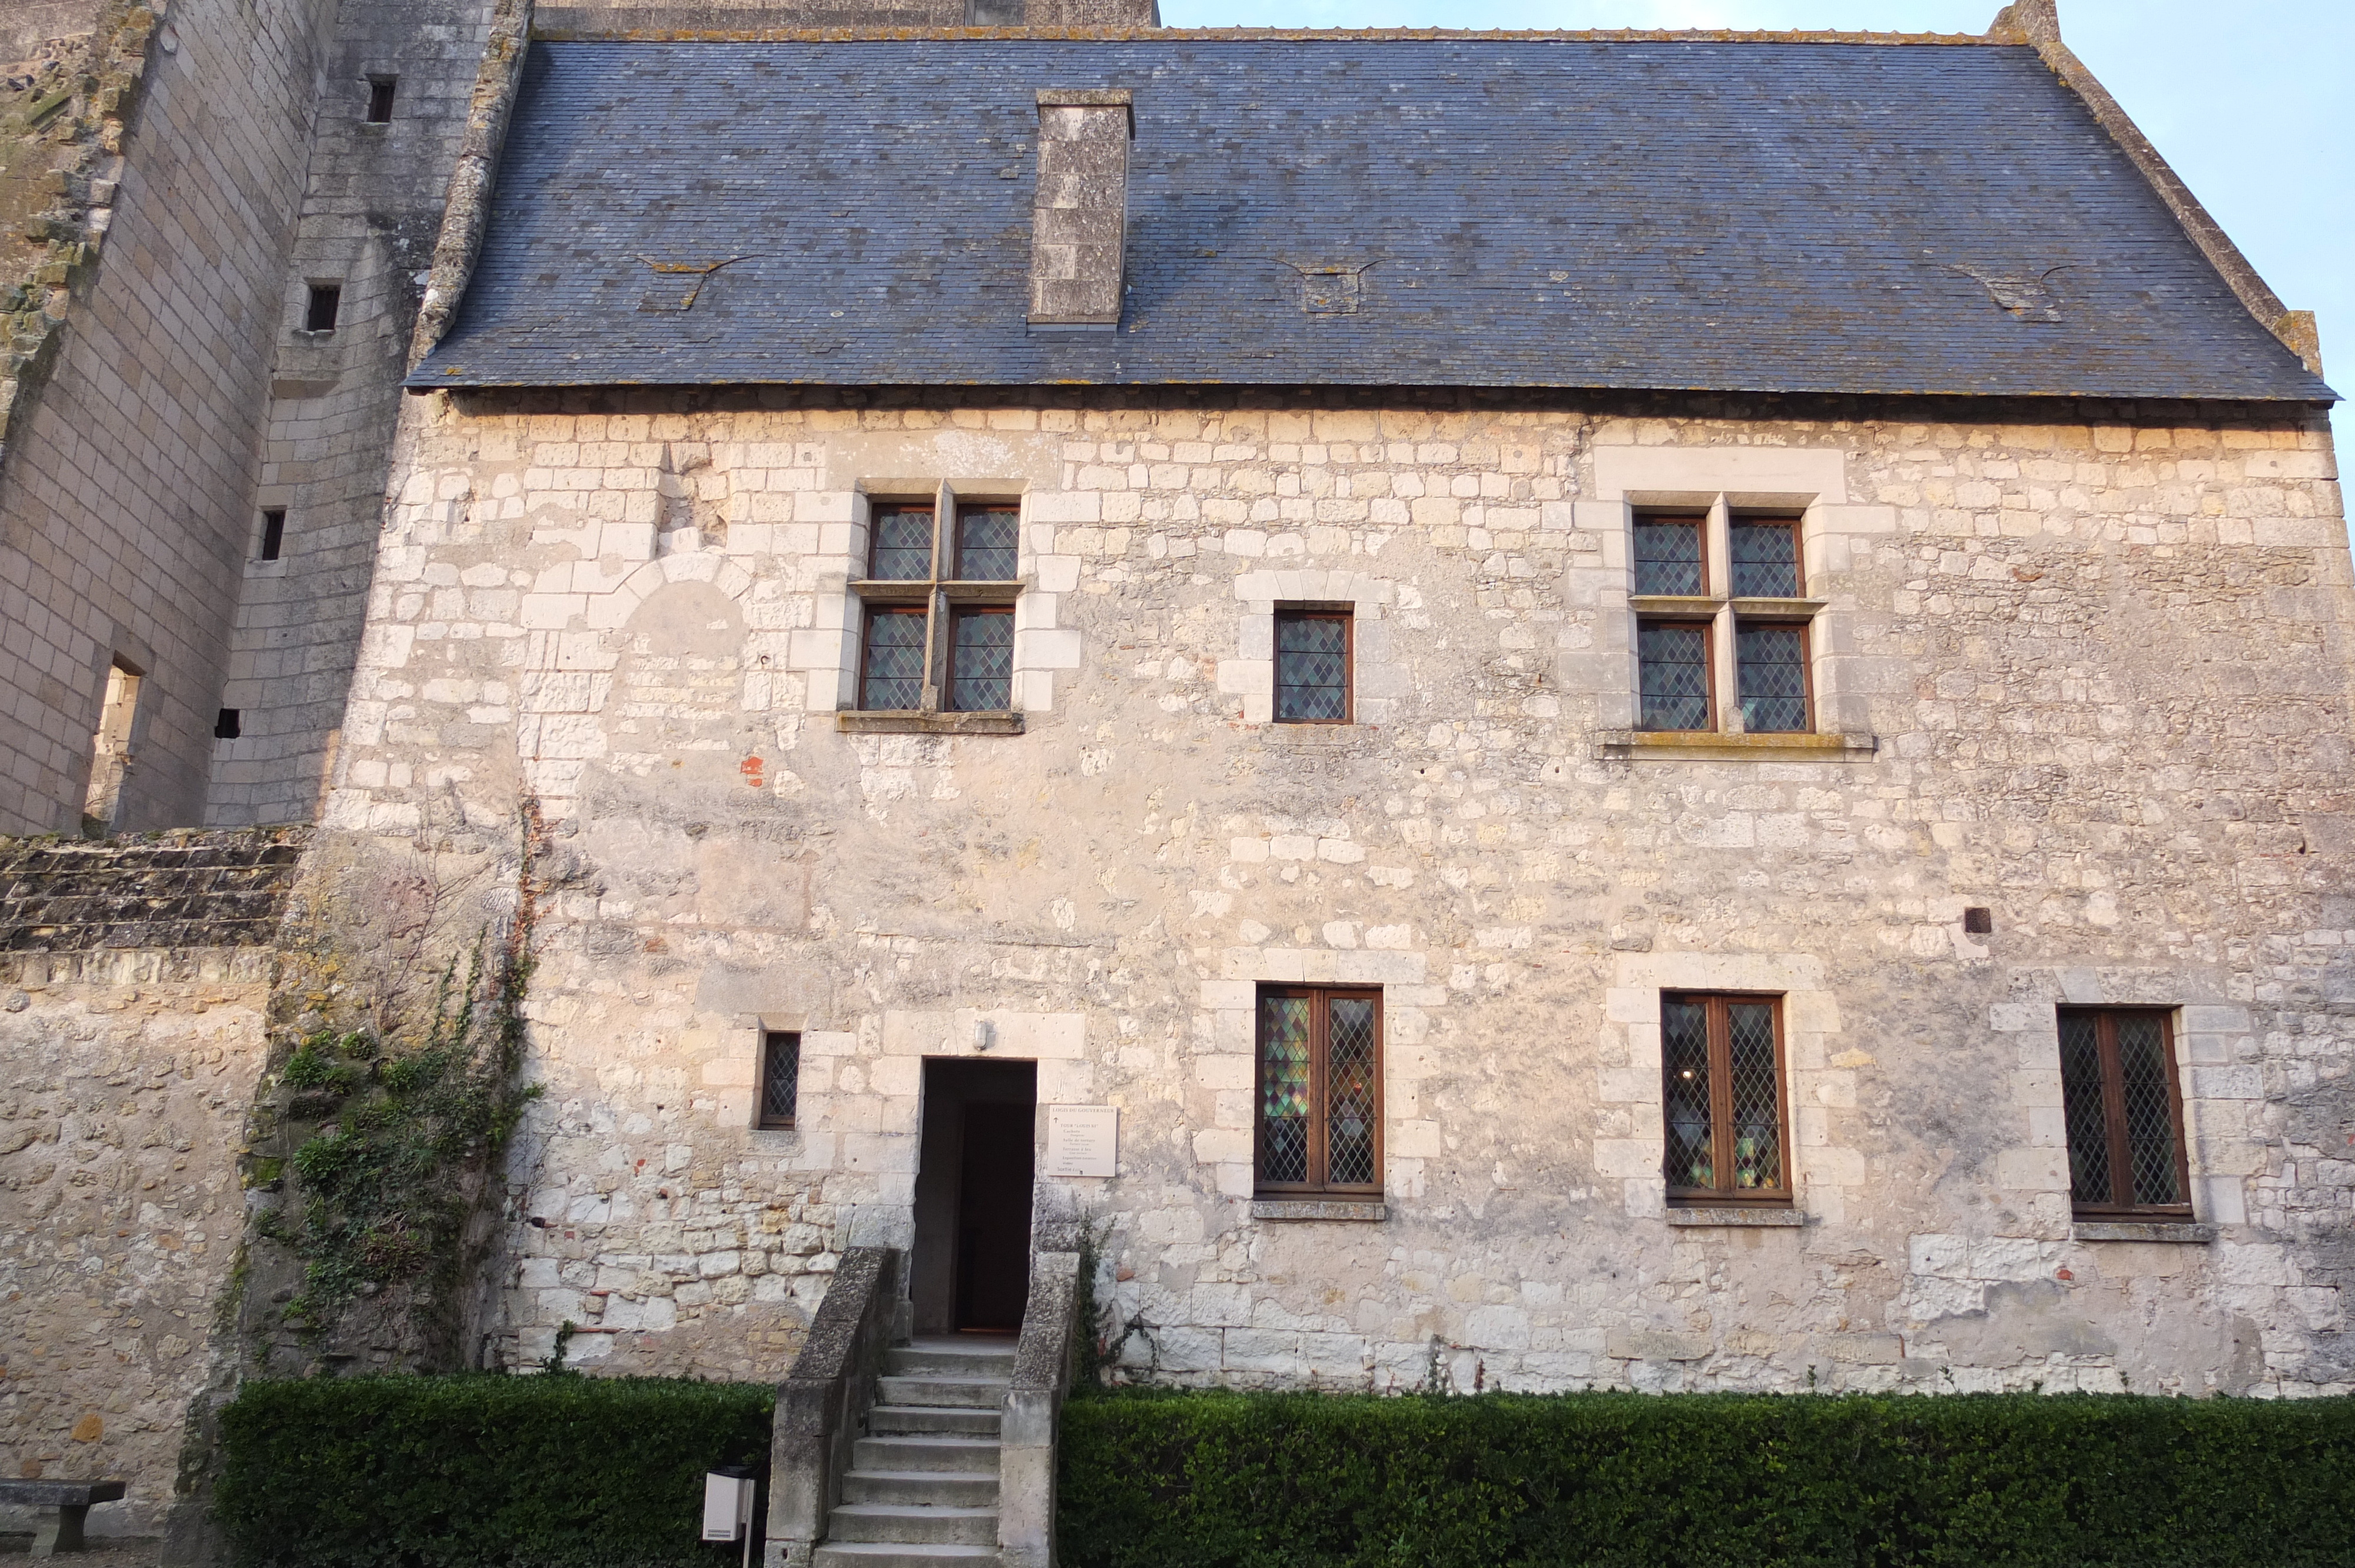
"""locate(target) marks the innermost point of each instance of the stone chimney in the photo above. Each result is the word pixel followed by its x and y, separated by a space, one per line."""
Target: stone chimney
pixel 1079 221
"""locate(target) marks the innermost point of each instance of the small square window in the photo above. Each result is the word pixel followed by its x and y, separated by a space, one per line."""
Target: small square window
pixel 1978 921
pixel 1765 554
pixel 379 104
pixel 981 659
pixel 274 533
pixel 1721 1065
pixel 781 1073
pixel 2124 1112
pixel 891 672
pixel 903 545
pixel 988 551
pixel 1668 556
pixel 1770 665
pixel 1673 664
pixel 319 314
pixel 1312 665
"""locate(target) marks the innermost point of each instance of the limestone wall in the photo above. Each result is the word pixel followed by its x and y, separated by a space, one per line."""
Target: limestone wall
pixel 2091 675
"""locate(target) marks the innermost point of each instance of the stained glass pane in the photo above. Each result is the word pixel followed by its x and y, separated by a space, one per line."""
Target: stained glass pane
pixel 1667 555
pixel 1350 1064
pixel 1684 1042
pixel 1757 1108
pixel 986 545
pixel 2080 1102
pixel 1284 1084
pixel 1771 664
pixel 781 1077
pixel 1673 663
pixel 895 660
pixel 903 545
pixel 1312 669
pixel 981 664
pixel 1766 560
pixel 2150 1120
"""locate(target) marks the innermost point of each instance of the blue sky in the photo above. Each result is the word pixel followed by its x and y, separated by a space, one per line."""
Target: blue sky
pixel 2249 101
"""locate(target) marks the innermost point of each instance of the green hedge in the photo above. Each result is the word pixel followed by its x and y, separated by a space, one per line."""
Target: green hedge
pixel 1224 1480
pixel 452 1472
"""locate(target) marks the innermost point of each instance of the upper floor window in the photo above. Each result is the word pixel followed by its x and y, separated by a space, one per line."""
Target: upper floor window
pixel 320 309
pixel 1722 1093
pixel 2123 1110
pixel 379 102
pixel 1320 1091
pixel 938 606
pixel 1721 604
pixel 1312 664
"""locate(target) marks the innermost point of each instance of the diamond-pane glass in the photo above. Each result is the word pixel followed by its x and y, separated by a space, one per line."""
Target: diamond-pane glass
pixel 2150 1120
pixel 1684 1039
pixel 1667 557
pixel 1757 1110
pixel 986 550
pixel 1283 1087
pixel 780 1071
pixel 1312 668
pixel 1771 664
pixel 1673 662
pixel 1350 1064
pixel 981 662
pixel 895 660
pixel 1765 560
pixel 2080 1102
pixel 903 546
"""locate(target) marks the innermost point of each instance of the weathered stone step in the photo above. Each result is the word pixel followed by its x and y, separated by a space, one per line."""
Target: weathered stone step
pixel 901 1523
pixel 922 1452
pixel 927 1488
pixel 964 1393
pixel 951 1359
pixel 900 1554
pixel 926 1418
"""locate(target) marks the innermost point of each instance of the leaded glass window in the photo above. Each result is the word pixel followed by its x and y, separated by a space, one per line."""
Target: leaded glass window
pixel 1668 556
pixel 892 673
pixel 1312 666
pixel 903 545
pixel 2123 1113
pixel 985 543
pixel 1319 1090
pixel 981 661
pixel 1723 1100
pixel 1765 558
pixel 780 1071
pixel 932 640
pixel 1770 666
pixel 1672 663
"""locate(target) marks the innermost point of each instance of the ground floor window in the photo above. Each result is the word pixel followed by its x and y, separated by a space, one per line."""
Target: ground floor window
pixel 1319 1090
pixel 2124 1114
pixel 1722 1088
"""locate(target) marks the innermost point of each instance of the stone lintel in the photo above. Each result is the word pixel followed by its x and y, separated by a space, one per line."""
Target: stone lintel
pixel 1357 1210
pixel 1760 1217
pixel 2141 1231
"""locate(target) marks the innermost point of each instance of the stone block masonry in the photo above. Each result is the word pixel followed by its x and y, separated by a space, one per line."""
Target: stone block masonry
pixel 2091 665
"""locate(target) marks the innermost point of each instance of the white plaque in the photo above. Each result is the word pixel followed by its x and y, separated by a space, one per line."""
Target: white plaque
pixel 1083 1140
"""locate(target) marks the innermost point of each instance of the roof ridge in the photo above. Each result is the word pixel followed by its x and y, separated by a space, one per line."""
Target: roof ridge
pixel 585 31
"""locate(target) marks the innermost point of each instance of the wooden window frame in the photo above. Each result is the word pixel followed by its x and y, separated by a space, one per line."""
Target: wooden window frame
pixel 938 598
pixel 1348 616
pixel 1320 998
pixel 2114 1119
pixel 1805 629
pixel 1708 629
pixel 1721 1106
pixel 1798 550
pixel 763 1117
pixel 1697 521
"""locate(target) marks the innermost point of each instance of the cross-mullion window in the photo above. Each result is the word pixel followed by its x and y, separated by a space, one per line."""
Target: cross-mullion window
pixel 2124 1111
pixel 925 643
pixel 1319 1090
pixel 1722 1098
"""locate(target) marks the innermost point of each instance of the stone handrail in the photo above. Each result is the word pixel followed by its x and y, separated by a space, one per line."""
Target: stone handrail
pixel 821 1401
pixel 1043 1361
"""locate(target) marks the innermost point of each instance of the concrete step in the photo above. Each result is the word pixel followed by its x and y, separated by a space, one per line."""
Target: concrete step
pixel 925 1488
pixel 967 1394
pixel 925 1452
pixel 885 1418
pixel 901 1523
pixel 951 1357
pixel 902 1554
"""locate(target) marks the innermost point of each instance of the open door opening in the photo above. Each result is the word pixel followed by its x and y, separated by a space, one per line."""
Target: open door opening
pixel 972 1263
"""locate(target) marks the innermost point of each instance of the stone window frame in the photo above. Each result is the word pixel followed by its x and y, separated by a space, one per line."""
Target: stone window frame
pixel 1807 483
pixel 1378 678
pixel 1723 611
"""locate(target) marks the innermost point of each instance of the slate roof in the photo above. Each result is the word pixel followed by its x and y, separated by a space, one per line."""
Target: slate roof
pixel 1533 212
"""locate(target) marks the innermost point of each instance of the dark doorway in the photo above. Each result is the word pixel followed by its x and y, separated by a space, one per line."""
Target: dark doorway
pixel 972 1264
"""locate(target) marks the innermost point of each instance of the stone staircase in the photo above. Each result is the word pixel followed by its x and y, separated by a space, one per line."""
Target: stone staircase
pixel 922 1490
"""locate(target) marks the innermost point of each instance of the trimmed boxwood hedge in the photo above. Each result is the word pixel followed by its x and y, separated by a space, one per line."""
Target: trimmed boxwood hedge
pixel 1227 1480
pixel 452 1472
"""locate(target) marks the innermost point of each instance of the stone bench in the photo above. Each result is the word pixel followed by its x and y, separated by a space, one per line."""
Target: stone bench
pixel 62 1531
